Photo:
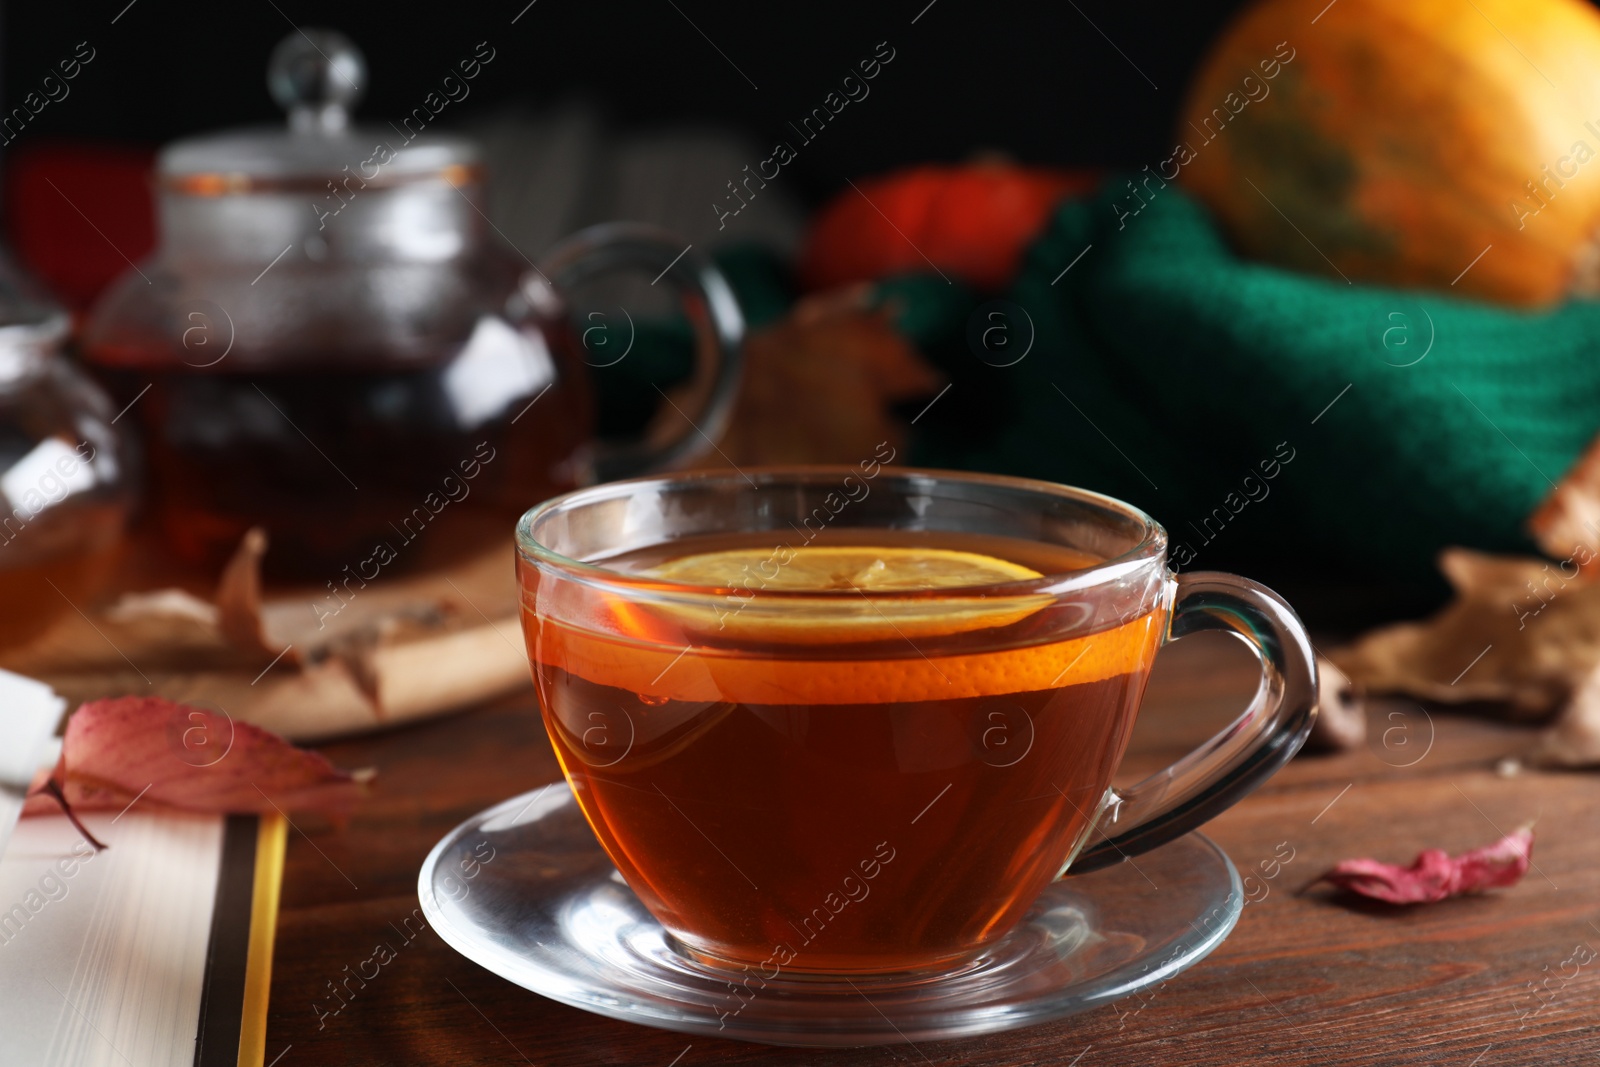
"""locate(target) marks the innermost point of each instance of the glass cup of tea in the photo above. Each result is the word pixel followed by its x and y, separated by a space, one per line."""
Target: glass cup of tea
pixel 852 721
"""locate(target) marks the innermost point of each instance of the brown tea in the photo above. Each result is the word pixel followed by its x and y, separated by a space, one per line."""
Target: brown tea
pixel 54 564
pixel 880 792
pixel 337 462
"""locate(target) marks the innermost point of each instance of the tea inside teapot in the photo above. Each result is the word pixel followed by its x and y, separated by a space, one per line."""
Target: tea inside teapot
pixel 65 483
pixel 347 455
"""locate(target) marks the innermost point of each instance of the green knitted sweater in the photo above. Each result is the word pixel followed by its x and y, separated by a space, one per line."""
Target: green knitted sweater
pixel 1252 410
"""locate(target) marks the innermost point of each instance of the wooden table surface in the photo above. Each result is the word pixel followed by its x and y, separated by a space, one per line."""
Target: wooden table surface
pixel 1308 976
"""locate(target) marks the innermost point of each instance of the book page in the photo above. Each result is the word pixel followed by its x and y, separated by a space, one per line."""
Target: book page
pixel 103 955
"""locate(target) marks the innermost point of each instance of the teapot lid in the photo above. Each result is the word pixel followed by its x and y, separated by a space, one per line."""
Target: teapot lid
pixel 317 75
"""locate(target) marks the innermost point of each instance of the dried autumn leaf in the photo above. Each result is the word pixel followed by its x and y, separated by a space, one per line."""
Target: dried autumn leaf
pixel 1341 722
pixel 1573 740
pixel 1520 631
pixel 1435 875
pixel 818 384
pixel 171 755
pixel 1566 525
pixel 238 597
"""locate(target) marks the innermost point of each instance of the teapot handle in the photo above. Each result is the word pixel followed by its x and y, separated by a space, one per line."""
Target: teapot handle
pixel 712 310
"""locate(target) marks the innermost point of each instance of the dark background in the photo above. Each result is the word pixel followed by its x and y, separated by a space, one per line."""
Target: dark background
pixel 1037 81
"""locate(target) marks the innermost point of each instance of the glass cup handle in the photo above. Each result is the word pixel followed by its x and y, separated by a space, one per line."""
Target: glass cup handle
pixel 1222 771
pixel 707 300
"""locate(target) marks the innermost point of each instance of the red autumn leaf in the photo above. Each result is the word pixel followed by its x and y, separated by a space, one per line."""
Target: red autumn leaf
pixel 173 755
pixel 1435 875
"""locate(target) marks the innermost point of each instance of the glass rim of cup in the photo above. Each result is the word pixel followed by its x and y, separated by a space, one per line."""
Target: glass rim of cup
pixel 1150 545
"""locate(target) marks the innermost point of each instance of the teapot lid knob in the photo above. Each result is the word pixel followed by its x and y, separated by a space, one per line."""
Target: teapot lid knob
pixel 318 75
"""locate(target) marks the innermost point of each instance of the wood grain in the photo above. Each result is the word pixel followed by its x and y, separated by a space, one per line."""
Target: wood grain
pixel 1307 977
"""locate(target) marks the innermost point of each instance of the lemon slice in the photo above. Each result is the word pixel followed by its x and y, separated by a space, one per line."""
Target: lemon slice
pixel 846 567
pixel 860 569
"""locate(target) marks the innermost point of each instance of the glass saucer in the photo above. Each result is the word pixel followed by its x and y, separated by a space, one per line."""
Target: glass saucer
pixel 524 890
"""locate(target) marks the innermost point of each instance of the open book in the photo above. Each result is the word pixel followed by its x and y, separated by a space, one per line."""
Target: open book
pixel 155 951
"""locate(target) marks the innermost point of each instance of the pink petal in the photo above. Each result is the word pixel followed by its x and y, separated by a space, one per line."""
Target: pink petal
pixel 1434 875
pixel 173 755
pixel 1502 863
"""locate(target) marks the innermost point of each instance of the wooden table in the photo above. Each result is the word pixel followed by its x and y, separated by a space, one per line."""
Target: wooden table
pixel 1307 977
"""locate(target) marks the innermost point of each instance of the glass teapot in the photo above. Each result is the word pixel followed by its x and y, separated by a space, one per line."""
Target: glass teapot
pixel 331 341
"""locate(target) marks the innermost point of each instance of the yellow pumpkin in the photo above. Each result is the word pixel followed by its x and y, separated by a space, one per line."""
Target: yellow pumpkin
pixel 1451 144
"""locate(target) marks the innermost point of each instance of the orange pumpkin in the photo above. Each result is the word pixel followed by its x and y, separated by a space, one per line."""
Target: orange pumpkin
pixel 971 222
pixel 1452 144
